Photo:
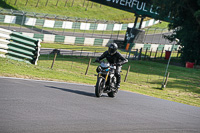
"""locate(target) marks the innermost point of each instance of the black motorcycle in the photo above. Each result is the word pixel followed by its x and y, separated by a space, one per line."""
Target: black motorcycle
pixel 106 80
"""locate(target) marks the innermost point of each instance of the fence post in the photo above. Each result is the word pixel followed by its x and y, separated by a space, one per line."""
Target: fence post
pixel 112 33
pixel 145 53
pixel 88 66
pixel 85 27
pixel 83 3
pixel 26 2
pixel 95 23
pixel 54 60
pixel 81 52
pixel 57 3
pixel 37 3
pixel 156 53
pixel 103 29
pixel 95 52
pixel 75 25
pixel 87 5
pixel 66 3
pixel 15 2
pixel 92 5
pixel 136 53
pixel 162 52
pixel 150 54
pixel 10 20
pixel 153 35
pixel 22 21
pixel 177 54
pixel 140 54
pixel 165 84
pixel 72 3
pixel 127 73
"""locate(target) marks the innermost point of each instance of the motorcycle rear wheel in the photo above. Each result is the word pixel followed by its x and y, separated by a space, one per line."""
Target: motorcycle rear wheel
pixel 99 87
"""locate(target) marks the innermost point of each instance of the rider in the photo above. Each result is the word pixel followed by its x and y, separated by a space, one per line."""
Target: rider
pixel 114 57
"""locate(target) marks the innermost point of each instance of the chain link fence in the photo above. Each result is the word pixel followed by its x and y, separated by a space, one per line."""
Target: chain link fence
pixel 40 23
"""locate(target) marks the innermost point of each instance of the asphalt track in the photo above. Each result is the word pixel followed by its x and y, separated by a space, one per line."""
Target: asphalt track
pixel 30 106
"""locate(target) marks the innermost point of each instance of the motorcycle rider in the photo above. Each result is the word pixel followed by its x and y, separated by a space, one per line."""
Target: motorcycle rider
pixel 114 57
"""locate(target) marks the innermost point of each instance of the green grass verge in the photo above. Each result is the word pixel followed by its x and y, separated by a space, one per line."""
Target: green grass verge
pixel 100 49
pixel 161 25
pixel 145 77
pixel 97 49
pixel 77 10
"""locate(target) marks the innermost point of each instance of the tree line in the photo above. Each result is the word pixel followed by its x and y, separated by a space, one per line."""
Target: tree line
pixel 185 16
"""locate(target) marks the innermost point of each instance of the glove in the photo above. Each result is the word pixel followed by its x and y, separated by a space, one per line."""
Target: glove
pixel 119 64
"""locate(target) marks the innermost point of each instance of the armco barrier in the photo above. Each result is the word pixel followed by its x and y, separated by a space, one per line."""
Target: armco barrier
pixel 19 47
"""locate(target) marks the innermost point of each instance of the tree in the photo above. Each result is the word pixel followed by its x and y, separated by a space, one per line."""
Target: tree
pixel 185 16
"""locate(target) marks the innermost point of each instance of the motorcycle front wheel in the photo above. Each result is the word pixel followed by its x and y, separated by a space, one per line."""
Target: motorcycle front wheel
pixel 99 87
pixel 112 94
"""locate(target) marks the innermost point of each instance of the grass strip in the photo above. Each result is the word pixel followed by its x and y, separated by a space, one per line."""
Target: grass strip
pixel 145 77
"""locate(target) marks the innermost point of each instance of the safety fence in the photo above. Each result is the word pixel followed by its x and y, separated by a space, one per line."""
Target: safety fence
pixel 138 52
pixel 88 41
pixel 19 47
pixel 23 18
pixel 159 53
pixel 39 23
pixel 48 38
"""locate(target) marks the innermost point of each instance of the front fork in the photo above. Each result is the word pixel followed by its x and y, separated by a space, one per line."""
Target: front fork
pixel 104 79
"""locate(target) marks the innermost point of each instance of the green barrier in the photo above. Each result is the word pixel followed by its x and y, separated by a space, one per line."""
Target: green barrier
pixel 22 46
pixel 21 50
pixel 19 47
pixel 22 56
pixel 18 59
pixel 21 41
pixel 24 37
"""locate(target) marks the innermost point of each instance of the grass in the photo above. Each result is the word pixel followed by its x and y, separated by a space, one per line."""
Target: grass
pixel 94 10
pixel 100 49
pixel 145 77
pixel 161 25
pixel 73 47
pixel 97 49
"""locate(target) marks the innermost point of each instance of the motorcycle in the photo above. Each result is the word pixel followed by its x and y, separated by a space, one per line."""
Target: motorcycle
pixel 106 80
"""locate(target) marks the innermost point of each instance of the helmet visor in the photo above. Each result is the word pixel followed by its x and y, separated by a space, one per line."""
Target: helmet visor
pixel 112 51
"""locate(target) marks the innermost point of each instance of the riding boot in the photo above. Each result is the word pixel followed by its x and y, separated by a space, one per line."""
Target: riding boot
pixel 118 81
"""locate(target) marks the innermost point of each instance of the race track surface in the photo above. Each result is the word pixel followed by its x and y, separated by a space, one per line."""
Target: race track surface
pixel 30 106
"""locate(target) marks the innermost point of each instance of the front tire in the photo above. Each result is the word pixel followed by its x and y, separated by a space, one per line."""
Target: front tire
pixel 112 94
pixel 99 87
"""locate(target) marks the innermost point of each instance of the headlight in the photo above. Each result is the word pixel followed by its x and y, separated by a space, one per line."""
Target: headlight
pixel 98 69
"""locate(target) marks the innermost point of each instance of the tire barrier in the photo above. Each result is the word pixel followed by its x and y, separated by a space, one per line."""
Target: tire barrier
pixel 19 47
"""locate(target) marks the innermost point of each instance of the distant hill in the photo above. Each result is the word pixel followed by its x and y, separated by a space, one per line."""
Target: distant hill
pixel 70 8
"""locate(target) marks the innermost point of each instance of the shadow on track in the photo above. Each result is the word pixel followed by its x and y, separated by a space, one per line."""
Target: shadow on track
pixel 74 91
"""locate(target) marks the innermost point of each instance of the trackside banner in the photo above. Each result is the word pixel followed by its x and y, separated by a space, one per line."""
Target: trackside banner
pixel 138 7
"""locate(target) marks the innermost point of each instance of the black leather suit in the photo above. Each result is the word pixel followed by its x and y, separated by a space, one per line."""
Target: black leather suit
pixel 117 59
